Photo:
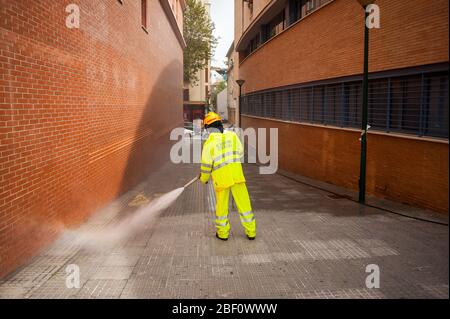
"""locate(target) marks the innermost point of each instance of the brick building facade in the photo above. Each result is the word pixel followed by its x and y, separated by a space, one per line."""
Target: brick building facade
pixel 83 111
pixel 316 100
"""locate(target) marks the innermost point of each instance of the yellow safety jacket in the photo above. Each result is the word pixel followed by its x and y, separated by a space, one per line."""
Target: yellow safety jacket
pixel 221 158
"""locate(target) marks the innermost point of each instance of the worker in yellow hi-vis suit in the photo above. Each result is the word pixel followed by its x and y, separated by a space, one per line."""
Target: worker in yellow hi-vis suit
pixel 221 159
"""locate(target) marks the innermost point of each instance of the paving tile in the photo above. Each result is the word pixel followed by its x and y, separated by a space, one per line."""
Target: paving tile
pixel 113 273
pixel 308 245
pixel 99 289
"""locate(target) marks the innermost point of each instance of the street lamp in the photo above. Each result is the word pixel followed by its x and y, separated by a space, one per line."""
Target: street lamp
pixel 240 83
pixel 364 124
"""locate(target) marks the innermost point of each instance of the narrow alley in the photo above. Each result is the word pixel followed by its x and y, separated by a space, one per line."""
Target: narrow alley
pixel 125 125
pixel 309 245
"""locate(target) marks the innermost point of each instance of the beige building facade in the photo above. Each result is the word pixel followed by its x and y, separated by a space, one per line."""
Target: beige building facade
pixel 232 87
pixel 197 94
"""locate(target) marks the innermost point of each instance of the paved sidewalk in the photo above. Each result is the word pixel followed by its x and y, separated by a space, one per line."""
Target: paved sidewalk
pixel 309 245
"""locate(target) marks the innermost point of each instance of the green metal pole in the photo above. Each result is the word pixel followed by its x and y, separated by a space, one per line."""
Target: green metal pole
pixel 362 171
pixel 240 104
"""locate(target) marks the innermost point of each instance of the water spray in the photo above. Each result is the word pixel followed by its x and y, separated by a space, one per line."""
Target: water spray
pixel 139 221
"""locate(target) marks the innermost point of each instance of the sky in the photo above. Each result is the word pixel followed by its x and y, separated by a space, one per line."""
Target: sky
pixel 222 14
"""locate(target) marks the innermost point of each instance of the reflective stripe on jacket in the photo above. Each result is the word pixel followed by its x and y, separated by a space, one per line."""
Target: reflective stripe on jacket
pixel 221 158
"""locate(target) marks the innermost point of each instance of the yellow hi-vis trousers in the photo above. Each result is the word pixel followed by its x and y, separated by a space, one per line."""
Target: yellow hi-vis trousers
pixel 242 200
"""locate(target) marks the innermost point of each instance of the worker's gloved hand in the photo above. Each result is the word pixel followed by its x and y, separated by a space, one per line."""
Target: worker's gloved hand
pixel 199 177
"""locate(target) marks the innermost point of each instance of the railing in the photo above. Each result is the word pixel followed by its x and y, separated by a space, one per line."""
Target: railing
pixel 414 104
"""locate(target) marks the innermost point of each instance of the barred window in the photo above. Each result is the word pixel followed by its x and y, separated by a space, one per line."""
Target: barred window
pixel 413 104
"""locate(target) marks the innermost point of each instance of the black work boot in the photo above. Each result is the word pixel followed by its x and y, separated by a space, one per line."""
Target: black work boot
pixel 251 238
pixel 224 239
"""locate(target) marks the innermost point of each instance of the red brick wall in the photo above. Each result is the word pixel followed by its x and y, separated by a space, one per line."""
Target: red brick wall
pixel 82 112
pixel 409 170
pixel 329 43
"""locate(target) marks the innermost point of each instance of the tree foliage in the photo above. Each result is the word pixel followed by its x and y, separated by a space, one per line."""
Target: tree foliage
pixel 200 42
pixel 220 87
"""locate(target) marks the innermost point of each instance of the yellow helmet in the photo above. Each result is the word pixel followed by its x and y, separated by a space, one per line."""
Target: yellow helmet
pixel 210 118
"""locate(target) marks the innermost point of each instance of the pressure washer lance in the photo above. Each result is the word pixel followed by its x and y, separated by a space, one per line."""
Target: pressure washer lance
pixel 191 182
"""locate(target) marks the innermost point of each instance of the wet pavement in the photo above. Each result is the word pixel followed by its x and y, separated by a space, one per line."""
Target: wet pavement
pixel 309 245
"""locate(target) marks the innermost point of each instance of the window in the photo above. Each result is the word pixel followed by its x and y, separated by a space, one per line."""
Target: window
pixel 295 104
pixel 255 43
pixel 406 103
pixel 352 104
pixel 264 33
pixel 378 103
pixel 294 10
pixel 308 6
pixel 305 103
pixel 436 106
pixel 318 109
pixel 277 104
pixel 144 13
pixel 333 105
pixel 414 104
pixel 299 8
pixel 276 25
